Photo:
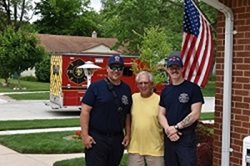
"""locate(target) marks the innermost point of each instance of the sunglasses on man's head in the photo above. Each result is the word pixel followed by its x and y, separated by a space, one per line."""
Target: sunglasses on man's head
pixel 118 68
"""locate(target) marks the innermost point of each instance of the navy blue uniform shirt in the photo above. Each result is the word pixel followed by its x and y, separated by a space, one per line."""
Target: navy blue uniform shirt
pixel 104 116
pixel 177 99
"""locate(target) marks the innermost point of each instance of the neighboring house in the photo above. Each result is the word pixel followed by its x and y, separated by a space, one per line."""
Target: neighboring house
pixel 240 116
pixel 59 44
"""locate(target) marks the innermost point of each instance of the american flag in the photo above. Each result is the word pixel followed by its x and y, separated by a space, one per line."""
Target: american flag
pixel 197 45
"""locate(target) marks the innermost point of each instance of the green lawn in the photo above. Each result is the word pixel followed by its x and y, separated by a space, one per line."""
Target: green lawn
pixel 28 85
pixel 209 90
pixel 207 116
pixel 31 96
pixel 35 124
pixel 81 162
pixel 43 143
pixel 71 162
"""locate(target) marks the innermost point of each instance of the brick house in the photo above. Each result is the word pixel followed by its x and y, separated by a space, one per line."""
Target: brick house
pixel 240 105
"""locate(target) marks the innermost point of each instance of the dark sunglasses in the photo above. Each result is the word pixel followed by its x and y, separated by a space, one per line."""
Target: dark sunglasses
pixel 174 67
pixel 141 83
pixel 118 68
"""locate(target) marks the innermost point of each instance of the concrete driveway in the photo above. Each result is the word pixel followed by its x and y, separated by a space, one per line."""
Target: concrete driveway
pixel 31 109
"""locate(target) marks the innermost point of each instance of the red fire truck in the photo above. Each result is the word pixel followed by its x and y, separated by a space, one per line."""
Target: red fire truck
pixel 68 83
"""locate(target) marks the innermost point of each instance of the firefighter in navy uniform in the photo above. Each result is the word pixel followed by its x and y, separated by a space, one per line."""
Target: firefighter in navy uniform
pixel 180 108
pixel 105 117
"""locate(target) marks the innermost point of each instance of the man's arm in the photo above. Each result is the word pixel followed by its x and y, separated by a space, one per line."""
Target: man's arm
pixel 192 117
pixel 162 118
pixel 126 139
pixel 84 122
pixel 170 131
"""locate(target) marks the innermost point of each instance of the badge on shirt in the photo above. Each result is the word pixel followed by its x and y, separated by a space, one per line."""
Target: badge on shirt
pixel 183 98
pixel 124 100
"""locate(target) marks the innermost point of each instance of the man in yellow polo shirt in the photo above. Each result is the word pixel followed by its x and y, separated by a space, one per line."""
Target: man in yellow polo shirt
pixel 146 145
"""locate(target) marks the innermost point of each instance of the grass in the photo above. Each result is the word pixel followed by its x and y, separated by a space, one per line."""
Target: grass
pixel 28 85
pixel 30 96
pixel 207 116
pixel 53 123
pixel 81 162
pixel 43 143
pixel 35 124
pixel 71 162
pixel 209 90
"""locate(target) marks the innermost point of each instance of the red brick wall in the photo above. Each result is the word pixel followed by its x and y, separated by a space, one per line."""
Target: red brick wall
pixel 240 117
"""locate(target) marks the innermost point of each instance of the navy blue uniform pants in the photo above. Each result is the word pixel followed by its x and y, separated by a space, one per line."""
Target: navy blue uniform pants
pixel 107 151
pixel 180 153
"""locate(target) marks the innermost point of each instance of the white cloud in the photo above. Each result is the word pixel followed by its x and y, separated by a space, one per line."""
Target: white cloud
pixel 96 4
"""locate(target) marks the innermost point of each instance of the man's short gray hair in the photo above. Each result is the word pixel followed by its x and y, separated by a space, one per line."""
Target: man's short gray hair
pixel 149 75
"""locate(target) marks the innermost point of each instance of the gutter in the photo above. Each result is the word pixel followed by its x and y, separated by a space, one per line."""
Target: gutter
pixel 227 85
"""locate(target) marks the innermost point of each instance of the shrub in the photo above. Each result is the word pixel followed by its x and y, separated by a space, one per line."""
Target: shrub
pixel 43 70
pixel 204 144
pixel 28 78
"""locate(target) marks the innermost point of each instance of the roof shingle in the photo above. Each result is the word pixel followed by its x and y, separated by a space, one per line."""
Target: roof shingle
pixel 73 44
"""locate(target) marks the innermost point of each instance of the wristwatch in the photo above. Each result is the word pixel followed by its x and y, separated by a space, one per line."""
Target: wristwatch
pixel 176 127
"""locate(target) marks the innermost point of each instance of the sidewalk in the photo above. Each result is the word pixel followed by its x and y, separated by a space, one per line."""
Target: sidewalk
pixel 9 157
pixel 209 104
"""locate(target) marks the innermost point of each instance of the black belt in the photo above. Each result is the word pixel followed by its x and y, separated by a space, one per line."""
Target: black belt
pixel 108 134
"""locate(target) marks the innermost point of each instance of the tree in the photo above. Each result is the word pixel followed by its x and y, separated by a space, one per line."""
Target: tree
pixel 154 49
pixel 125 19
pixel 18 52
pixel 14 13
pixel 85 24
pixel 66 17
pixel 43 69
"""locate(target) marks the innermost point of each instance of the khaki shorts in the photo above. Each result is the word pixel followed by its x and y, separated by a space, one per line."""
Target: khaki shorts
pixel 141 160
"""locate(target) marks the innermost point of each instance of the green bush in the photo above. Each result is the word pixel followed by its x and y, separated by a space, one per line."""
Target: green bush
pixel 28 78
pixel 204 134
pixel 43 70
pixel 212 77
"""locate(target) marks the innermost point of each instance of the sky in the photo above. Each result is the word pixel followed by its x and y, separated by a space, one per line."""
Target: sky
pixel 96 4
